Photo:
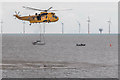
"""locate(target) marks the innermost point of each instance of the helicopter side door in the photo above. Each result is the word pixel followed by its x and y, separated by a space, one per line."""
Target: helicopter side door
pixel 44 17
pixel 39 17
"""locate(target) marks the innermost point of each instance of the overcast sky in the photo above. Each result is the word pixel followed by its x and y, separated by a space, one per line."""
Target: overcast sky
pixel 99 13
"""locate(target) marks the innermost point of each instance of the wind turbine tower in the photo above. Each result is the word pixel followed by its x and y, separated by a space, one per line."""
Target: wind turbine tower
pixel 1 26
pixel 62 27
pixel 109 22
pixel 88 24
pixel 23 27
pixel 79 26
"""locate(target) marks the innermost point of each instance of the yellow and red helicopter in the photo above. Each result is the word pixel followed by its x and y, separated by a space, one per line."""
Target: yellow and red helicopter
pixel 44 16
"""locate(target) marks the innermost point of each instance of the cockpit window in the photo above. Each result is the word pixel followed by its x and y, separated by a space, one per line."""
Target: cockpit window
pixel 55 17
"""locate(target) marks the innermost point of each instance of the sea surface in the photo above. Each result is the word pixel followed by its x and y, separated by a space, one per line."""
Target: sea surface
pixel 60 57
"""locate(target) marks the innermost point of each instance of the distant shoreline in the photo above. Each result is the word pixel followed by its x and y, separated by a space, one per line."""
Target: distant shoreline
pixel 57 34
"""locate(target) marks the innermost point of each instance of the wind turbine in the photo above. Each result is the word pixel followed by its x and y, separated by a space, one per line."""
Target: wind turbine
pixel 62 27
pixel 88 20
pixel 109 22
pixel 79 26
pixel 1 26
pixel 23 27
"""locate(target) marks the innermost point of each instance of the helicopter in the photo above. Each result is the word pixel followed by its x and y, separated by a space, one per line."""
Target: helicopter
pixel 44 16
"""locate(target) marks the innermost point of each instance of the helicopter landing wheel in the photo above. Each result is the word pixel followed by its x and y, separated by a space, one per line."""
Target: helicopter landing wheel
pixel 49 21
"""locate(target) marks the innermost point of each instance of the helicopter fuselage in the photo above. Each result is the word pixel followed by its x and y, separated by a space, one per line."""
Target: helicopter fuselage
pixel 39 18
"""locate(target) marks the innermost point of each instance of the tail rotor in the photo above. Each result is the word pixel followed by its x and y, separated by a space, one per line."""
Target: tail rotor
pixel 16 13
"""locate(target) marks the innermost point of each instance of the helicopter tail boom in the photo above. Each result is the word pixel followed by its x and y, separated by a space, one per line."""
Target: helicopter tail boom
pixel 21 18
pixel 17 16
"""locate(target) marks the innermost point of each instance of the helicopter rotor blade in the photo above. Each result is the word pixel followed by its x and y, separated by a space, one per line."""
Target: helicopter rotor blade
pixel 61 10
pixel 44 10
pixel 33 8
pixel 49 8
